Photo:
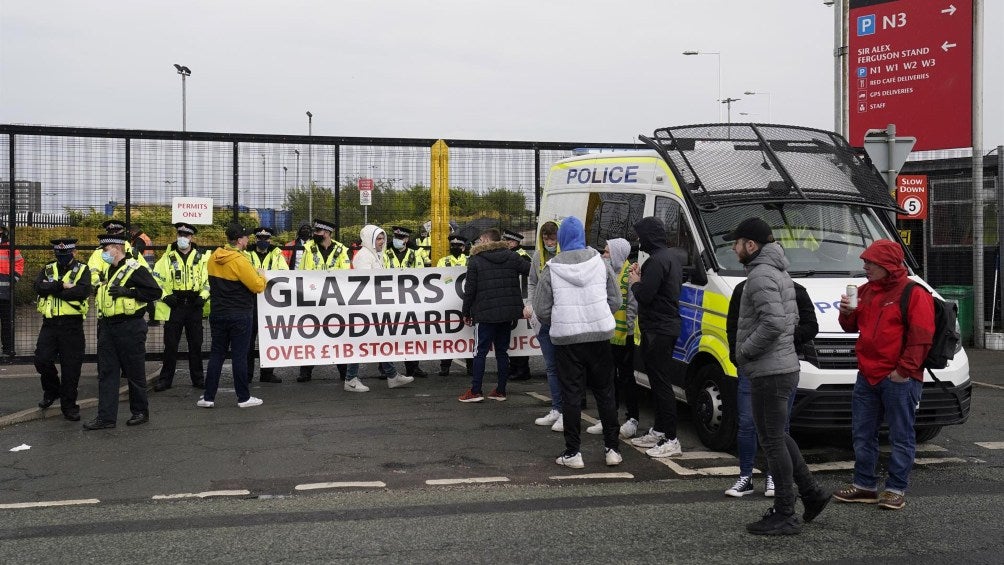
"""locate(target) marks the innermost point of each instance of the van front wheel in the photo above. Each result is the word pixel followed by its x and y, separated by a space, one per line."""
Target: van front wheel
pixel 712 399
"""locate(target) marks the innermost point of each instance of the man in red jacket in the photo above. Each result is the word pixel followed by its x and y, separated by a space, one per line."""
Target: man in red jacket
pixel 890 353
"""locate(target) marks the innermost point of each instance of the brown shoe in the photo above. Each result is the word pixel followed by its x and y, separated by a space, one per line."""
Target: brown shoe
pixel 889 500
pixel 855 494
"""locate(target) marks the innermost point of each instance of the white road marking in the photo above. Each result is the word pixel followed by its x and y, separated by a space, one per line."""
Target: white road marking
pixel 346 484
pixel 588 476
pixel 469 480
pixel 205 494
pixel 49 503
pixel 539 396
pixel 988 385
pixel 991 444
pixel 704 455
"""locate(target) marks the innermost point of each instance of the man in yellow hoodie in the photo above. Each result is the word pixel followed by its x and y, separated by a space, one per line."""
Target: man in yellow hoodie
pixel 233 283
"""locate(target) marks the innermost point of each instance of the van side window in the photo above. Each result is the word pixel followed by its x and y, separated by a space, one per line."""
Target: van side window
pixel 677 230
pixel 610 215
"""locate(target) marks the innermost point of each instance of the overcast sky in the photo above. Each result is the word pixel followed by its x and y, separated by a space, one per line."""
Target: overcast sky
pixel 547 70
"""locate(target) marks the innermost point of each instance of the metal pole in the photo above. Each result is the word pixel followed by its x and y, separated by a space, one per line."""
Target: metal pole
pixel 262 201
pixel 978 267
pixel 184 142
pixel 838 66
pixel 718 57
pixel 1000 224
pixel 891 174
pixel 11 235
pixel 310 169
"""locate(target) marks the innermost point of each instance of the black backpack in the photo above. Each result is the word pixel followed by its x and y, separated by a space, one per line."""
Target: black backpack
pixel 946 333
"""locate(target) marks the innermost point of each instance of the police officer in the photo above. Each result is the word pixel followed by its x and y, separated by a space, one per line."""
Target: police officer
pixel 424 244
pixel 400 255
pixel 456 258
pixel 181 272
pixel 266 257
pixel 63 287
pixel 99 269
pixel 323 254
pixel 519 366
pixel 120 303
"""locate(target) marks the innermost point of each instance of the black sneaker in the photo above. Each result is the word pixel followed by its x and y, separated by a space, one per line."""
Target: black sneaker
pixel 775 524
pixel 815 505
pixel 97 424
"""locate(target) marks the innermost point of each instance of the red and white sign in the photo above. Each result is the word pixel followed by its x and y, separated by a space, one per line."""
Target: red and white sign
pixel 911 195
pixel 191 210
pixel 365 192
pixel 911 64
pixel 346 316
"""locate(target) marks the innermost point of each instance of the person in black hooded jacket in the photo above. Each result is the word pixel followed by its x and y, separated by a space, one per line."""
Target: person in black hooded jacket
pixel 656 287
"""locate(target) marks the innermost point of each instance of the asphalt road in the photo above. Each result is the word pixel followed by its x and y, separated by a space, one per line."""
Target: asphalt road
pixel 319 475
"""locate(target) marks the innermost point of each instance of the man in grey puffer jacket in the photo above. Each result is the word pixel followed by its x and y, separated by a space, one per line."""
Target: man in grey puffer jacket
pixel 765 352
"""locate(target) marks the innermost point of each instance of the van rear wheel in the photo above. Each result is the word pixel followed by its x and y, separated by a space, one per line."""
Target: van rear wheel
pixel 712 399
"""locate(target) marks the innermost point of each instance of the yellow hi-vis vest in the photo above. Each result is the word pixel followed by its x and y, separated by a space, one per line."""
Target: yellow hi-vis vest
pixel 313 260
pixel 411 260
pixel 52 305
pixel 451 261
pixel 274 260
pixel 620 316
pixel 106 305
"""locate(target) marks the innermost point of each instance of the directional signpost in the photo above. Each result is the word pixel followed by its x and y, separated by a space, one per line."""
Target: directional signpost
pixel 911 64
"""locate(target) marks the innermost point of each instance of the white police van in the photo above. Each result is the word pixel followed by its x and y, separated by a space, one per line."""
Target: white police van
pixel 825 206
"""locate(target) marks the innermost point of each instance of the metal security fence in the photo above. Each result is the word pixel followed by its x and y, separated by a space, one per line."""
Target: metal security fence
pixel 67 181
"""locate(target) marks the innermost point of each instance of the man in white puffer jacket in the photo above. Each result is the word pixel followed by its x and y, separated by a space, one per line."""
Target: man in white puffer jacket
pixel 577 295
pixel 370 256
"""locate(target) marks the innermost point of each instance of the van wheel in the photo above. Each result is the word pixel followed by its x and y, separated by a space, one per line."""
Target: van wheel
pixel 712 401
pixel 927 433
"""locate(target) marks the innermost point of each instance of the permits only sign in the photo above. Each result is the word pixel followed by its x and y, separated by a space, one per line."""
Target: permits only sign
pixel 911 64
pixel 192 210
pixel 911 195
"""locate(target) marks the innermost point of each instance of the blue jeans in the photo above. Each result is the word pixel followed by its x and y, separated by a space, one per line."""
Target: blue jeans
pixel 897 404
pixel 233 332
pixel 770 396
pixel 386 369
pixel 487 336
pixel 747 431
pixel 550 365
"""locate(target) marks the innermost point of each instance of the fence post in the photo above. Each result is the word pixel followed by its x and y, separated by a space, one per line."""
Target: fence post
pixel 128 182
pixel 236 167
pixel 11 238
pixel 338 187
pixel 440 205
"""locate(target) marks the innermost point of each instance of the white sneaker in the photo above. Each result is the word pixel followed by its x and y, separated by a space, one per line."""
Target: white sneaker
pixel 203 403
pixel 354 385
pixel 743 486
pixel 574 461
pixel 559 424
pixel 768 489
pixel 651 439
pixel 251 402
pixel 630 428
pixel 549 419
pixel 596 429
pixel 666 448
pixel 398 380
pixel 613 457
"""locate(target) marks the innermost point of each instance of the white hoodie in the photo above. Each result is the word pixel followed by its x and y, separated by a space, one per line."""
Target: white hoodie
pixel 368 257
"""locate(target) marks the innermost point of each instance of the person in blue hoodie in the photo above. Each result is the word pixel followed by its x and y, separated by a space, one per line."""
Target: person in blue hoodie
pixel 577 294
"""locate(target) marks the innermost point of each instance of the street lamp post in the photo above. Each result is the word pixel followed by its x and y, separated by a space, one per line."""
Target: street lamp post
pixel 310 170
pixel 728 103
pixel 718 58
pixel 284 185
pixel 185 72
pixel 755 93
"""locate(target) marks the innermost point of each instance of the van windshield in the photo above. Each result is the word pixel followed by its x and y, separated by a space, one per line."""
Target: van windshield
pixel 819 240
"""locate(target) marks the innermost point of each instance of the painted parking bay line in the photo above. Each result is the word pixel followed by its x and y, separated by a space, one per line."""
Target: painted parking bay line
pixel 205 494
pixel 344 484
pixel 47 503
pixel 588 476
pixel 466 481
pixel 991 444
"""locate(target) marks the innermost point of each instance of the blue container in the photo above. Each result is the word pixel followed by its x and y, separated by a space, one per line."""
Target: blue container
pixel 283 220
pixel 110 208
pixel 266 217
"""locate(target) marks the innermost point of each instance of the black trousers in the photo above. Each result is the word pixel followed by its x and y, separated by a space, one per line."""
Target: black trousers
pixel 121 353
pixel 657 352
pixel 627 388
pixel 60 338
pixel 6 328
pixel 581 366
pixel 185 317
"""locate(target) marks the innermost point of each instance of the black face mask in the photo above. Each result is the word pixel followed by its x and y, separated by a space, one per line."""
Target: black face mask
pixel 64 260
pixel 319 239
pixel 262 244
pixel 456 250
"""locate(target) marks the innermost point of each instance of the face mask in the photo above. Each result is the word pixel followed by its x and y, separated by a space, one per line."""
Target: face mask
pixel 398 244
pixel 107 257
pixel 262 244
pixel 319 239
pixel 550 248
pixel 63 260
pixel 456 250
pixel 184 242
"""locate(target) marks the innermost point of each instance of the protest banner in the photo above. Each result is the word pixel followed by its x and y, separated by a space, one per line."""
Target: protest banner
pixel 329 317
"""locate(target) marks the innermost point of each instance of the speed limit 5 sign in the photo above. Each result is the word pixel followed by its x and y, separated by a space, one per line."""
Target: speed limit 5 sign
pixel 911 195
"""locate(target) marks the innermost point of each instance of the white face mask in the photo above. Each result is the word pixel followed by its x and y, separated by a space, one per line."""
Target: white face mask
pixel 398 243
pixel 184 242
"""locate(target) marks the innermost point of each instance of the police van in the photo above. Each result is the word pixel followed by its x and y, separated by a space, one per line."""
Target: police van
pixel 824 204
